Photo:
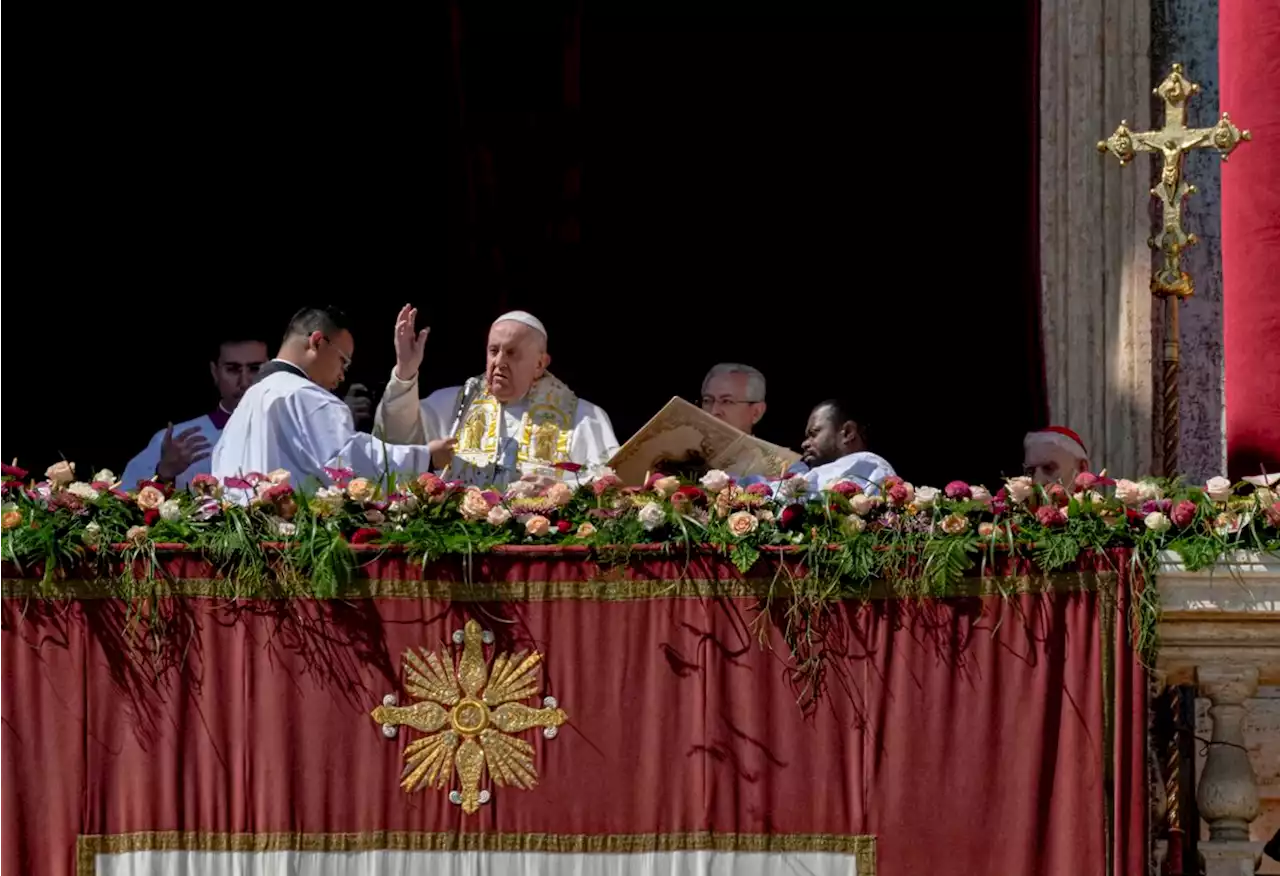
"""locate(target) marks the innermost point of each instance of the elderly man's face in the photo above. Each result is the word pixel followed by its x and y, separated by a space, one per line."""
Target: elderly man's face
pixel 725 396
pixel 517 356
pixel 1047 464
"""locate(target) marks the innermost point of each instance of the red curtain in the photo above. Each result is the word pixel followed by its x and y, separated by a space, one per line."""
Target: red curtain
pixel 965 734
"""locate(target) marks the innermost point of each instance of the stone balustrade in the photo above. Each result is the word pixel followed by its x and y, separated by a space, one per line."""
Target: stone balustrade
pixel 1220 630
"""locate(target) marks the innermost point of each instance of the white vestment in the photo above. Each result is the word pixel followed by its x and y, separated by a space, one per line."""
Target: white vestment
pixel 498 443
pixel 143 466
pixel 866 469
pixel 287 421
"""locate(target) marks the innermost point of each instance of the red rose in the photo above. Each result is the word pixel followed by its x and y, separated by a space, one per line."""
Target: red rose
pixel 276 493
pixel 695 494
pixel 1050 515
pixel 564 525
pixel 791 517
pixel 150 518
pixel 897 494
pixel 1183 513
pixel 846 488
pixel 364 535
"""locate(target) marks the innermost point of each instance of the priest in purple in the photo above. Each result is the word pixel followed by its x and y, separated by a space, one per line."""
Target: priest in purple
pixel 180 452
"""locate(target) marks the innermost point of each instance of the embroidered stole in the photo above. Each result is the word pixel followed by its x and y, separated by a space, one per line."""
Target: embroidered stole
pixel 544 434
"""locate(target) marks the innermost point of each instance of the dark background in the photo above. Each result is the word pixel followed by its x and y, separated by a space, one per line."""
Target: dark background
pixel 846 203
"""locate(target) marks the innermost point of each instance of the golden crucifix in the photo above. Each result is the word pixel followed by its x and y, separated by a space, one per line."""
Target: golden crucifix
pixel 1170 282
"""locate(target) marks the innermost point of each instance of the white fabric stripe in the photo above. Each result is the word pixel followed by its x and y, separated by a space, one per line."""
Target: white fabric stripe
pixel 404 863
pixel 1057 439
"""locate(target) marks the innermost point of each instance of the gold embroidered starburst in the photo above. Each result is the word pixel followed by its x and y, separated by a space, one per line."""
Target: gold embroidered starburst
pixel 469 711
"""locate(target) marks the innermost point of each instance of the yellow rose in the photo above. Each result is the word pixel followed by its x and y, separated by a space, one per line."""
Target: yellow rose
pixel 360 490
pixel 560 494
pixel 537 525
pixel 586 530
pixel 474 505
pixel 278 476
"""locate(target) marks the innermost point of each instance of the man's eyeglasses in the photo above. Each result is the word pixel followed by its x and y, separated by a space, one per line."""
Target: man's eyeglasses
pixel 708 402
pixel 346 360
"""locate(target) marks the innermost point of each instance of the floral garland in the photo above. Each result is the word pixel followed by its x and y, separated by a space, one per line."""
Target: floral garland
pixel 922 539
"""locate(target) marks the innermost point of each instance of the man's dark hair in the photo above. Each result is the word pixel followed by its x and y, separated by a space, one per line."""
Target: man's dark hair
pixel 235 337
pixel 842 410
pixel 327 320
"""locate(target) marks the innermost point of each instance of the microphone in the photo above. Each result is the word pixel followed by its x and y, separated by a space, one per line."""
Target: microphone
pixel 469 392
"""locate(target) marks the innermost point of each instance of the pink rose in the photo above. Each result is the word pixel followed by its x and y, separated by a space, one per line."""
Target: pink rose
pixel 1057 494
pixel 1128 492
pixel 1050 515
pixel 742 523
pixel 431 484
pixel 898 495
pixel 498 516
pixel 1218 488
pixel 537 526
pixel 560 493
pixel 762 490
pixel 1183 513
pixel 980 494
pixel 602 485
pixel 845 488
pixel 957 490
pixel 1272 513
pixel 986 529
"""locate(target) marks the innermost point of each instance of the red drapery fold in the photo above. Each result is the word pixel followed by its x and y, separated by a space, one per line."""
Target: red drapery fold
pixel 966 734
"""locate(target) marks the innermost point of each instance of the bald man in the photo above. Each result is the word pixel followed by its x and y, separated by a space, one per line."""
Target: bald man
pixel 513 420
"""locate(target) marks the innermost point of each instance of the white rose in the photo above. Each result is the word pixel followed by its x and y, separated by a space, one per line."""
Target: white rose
pixel 1095 498
pixel 714 481
pixel 1020 488
pixel 106 476
pixel 498 515
pixel 92 533
pixel 282 527
pixel 1128 492
pixel 1150 491
pixel 1156 522
pixel 170 510
pixel 980 494
pixel 652 515
pixel 522 490
pixel 862 504
pixel 1218 488
pixel 83 490
pixel 926 496
pixel 854 523
pixel 1264 496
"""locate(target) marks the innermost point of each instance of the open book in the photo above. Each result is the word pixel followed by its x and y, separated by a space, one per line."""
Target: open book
pixel 682 431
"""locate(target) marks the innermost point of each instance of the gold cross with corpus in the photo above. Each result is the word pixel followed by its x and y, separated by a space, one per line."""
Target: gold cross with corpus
pixel 1173 141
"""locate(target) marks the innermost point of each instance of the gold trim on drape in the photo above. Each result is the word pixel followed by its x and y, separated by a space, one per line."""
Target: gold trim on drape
pixel 862 848
pixel 544 591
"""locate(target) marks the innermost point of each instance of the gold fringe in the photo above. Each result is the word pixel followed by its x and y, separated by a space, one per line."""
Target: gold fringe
pixel 88 847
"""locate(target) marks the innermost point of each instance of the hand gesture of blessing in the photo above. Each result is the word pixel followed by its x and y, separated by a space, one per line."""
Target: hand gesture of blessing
pixel 409 346
pixel 178 452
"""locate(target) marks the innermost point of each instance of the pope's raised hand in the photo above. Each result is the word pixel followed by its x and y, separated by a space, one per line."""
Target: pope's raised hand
pixel 409 345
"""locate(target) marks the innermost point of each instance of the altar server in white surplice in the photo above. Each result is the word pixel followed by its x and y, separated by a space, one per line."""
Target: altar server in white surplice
pixel 291 419
pixel 180 452
pixel 835 449
pixel 516 419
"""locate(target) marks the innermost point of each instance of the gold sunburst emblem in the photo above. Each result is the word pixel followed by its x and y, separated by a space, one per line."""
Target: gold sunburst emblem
pixel 470 711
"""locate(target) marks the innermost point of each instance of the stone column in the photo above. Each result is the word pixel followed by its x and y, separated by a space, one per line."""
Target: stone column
pixel 1228 791
pixel 1094 226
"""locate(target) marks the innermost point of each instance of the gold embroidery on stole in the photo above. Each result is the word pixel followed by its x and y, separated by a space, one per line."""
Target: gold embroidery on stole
pixel 544 434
